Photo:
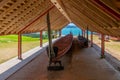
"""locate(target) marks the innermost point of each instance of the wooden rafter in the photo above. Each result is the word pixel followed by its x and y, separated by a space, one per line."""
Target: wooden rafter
pixel 36 19
pixel 17 16
pixel 107 9
pixel 58 4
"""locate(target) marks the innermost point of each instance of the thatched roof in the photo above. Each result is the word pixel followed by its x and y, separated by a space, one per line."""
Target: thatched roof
pixel 26 16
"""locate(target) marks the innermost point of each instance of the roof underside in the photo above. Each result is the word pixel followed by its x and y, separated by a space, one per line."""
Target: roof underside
pixel 27 16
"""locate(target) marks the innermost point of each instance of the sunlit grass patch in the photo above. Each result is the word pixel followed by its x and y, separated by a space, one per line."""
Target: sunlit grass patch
pixel 9 45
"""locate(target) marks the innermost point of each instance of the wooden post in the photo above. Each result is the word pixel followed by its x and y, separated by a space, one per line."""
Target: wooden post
pixel 87 34
pixel 102 46
pixel 19 46
pixel 55 33
pixel 50 49
pixel 40 38
pixel 91 39
pixel 82 32
pixel 59 33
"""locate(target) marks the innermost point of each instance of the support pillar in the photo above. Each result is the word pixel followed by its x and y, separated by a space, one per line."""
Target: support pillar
pixel 50 48
pixel 51 51
pixel 59 33
pixel 102 46
pixel 19 46
pixel 91 39
pixel 55 33
pixel 40 38
pixel 87 34
pixel 82 32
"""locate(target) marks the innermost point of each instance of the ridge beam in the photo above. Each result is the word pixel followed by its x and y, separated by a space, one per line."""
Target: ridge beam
pixel 61 8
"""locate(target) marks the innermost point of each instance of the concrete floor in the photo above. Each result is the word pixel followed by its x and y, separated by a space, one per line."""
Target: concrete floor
pixel 79 64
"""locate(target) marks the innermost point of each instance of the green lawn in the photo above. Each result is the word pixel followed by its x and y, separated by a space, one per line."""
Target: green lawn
pixel 14 38
pixel 9 46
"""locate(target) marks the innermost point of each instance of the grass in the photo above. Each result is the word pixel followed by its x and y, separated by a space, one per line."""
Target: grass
pixel 9 44
pixel 14 38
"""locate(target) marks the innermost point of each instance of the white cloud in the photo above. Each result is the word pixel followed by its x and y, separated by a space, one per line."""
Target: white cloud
pixel 71 24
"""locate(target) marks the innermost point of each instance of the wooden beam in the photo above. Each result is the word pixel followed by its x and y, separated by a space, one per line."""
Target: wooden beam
pixel 87 36
pixel 59 33
pixel 83 19
pixel 50 49
pixel 106 9
pixel 41 38
pixel 19 46
pixel 101 15
pixel 36 19
pixel 87 33
pixel 19 19
pixel 102 46
pixel 59 4
pixel 82 32
pixel 56 33
pixel 58 21
pixel 91 39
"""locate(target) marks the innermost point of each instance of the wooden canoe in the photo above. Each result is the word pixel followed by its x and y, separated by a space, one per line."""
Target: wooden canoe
pixel 63 44
pixel 83 42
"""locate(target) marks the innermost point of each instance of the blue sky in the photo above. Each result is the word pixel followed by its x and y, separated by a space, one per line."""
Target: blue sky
pixel 75 31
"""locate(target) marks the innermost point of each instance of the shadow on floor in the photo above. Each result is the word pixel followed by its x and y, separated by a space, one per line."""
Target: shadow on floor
pixel 111 59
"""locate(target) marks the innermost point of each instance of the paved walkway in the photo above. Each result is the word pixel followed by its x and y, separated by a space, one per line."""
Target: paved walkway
pixel 80 64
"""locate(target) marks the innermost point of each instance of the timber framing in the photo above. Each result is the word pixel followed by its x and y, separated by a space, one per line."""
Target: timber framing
pixel 28 16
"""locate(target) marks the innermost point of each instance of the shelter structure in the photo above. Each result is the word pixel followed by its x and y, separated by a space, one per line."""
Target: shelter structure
pixel 28 16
